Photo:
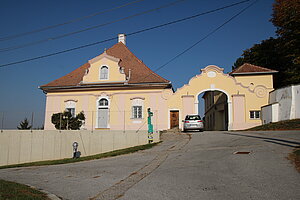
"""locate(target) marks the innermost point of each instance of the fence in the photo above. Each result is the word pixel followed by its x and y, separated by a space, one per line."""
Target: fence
pixel 38 145
pixel 115 120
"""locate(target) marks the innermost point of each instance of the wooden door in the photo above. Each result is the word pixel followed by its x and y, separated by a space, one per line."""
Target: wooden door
pixel 174 119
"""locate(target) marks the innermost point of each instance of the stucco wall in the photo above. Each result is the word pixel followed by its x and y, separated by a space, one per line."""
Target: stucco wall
pixel 25 146
pixel 270 113
pixel 297 100
pixel 120 105
pixel 288 100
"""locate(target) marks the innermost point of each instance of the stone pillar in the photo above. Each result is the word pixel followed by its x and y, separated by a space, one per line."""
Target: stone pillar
pixel 238 107
pixel 188 105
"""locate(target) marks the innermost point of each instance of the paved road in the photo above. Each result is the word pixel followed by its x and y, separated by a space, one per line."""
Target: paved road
pixel 196 166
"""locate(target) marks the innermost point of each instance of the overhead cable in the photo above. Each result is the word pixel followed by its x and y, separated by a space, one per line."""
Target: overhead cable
pixel 67 22
pixel 88 29
pixel 203 38
pixel 129 34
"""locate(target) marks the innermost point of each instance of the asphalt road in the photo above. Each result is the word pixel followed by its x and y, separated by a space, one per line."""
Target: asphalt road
pixel 185 166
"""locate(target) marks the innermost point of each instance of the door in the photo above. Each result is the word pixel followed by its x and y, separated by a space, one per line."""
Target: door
pixel 102 118
pixel 174 119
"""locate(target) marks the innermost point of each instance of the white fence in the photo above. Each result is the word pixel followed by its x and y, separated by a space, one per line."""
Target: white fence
pixel 25 146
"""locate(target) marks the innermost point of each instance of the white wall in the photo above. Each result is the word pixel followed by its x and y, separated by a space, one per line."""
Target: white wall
pixel 269 113
pixel 297 100
pixel 25 146
pixel 284 104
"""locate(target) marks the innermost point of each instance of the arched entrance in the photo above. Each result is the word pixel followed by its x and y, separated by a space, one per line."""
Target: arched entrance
pixel 211 81
pixel 213 109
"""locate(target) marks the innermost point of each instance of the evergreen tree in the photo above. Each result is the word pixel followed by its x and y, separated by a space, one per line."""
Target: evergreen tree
pixel 24 125
pixel 282 53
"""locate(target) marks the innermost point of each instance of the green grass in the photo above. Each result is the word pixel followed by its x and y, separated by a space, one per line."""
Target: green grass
pixel 10 190
pixel 93 157
pixel 293 124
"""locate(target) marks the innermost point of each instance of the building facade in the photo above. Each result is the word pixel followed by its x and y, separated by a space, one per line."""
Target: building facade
pixel 115 89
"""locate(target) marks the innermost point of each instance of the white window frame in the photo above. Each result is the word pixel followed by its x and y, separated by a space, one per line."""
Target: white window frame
pixel 98 106
pixel 100 72
pixel 70 106
pixel 255 112
pixel 137 108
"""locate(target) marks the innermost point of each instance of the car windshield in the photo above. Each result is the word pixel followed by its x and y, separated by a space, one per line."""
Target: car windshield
pixel 193 117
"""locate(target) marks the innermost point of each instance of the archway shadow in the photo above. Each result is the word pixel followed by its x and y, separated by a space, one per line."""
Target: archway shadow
pixel 282 142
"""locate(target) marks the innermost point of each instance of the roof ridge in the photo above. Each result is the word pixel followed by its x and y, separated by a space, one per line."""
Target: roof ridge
pixel 245 65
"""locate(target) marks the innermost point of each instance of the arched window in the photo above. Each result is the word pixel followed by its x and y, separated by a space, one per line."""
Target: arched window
pixel 103 102
pixel 104 73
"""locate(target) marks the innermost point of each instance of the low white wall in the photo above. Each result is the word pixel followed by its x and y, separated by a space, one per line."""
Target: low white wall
pixel 25 146
pixel 269 113
pixel 284 104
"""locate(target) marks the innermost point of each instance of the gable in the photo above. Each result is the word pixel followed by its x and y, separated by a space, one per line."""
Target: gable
pixel 104 69
pixel 124 68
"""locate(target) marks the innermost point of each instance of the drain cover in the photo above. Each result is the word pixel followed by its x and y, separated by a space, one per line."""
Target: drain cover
pixel 242 152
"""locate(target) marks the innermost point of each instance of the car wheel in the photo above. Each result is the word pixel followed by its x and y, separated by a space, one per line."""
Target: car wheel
pixel 201 130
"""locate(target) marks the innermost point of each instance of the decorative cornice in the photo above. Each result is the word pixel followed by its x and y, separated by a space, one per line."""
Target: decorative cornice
pixel 103 55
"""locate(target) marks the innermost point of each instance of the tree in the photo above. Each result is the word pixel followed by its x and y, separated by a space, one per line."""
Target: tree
pixel 282 53
pixel 24 125
pixel 65 120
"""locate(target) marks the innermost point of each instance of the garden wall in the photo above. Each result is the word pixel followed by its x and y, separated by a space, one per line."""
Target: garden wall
pixel 25 146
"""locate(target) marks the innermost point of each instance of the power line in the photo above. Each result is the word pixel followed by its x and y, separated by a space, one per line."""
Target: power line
pixel 203 38
pixel 133 33
pixel 67 22
pixel 88 29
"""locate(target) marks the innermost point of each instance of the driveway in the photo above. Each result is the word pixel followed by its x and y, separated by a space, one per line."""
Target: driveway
pixel 185 166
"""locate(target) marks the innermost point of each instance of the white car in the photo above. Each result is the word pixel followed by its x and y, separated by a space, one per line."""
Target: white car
pixel 192 122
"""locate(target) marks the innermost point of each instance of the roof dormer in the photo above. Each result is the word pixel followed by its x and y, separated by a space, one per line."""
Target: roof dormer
pixel 103 69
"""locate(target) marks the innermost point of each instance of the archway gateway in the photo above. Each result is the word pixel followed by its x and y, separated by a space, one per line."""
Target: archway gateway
pixel 215 110
pixel 245 93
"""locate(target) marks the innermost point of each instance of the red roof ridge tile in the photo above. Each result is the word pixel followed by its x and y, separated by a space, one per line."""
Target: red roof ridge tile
pixel 250 68
pixel 143 63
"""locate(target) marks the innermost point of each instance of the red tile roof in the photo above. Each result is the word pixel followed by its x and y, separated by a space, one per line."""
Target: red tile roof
pixel 247 68
pixel 140 73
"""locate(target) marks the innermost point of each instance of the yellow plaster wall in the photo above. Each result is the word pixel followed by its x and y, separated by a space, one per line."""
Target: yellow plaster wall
pixel 266 80
pixel 114 74
pixel 212 78
pixel 119 102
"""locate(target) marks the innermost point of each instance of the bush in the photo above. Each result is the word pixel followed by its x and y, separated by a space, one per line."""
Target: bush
pixel 65 120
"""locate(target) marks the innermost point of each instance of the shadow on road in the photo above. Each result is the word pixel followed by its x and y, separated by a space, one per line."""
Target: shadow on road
pixel 287 143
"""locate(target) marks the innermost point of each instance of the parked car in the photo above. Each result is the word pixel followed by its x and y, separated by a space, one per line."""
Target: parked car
pixel 192 122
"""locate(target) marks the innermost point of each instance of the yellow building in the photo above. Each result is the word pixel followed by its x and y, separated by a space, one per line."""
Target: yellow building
pixel 115 89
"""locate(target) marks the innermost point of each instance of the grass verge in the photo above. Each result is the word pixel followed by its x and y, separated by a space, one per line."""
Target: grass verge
pixel 10 190
pixel 93 157
pixel 295 158
pixel 293 124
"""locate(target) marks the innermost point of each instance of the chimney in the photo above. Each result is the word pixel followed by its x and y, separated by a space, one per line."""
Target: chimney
pixel 122 38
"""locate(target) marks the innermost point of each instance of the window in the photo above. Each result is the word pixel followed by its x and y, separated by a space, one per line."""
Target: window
pixel 70 106
pixel 72 111
pixel 137 112
pixel 137 108
pixel 104 73
pixel 255 114
pixel 103 102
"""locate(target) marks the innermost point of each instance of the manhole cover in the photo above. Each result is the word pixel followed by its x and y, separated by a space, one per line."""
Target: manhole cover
pixel 242 152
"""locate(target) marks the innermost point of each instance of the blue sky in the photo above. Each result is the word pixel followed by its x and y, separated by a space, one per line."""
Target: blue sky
pixel 19 83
